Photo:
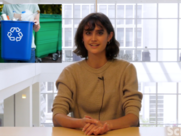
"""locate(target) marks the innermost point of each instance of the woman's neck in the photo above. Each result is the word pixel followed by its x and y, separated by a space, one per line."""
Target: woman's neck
pixel 96 61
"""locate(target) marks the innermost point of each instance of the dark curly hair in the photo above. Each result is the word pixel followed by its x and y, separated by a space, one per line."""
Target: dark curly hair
pixel 93 19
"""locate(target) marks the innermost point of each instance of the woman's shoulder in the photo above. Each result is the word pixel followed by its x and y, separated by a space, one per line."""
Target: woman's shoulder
pixel 121 62
pixel 75 66
pixel 123 65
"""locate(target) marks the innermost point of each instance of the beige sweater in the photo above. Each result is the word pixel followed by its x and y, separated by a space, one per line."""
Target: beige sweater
pixel 106 93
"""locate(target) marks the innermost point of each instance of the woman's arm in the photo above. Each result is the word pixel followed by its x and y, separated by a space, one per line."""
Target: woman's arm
pixel 36 26
pixel 69 122
pixel 128 120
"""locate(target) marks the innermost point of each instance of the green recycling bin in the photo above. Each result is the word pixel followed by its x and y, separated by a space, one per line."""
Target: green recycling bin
pixel 48 39
pixel 1 60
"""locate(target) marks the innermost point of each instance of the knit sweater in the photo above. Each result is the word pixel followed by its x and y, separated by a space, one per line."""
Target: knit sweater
pixel 105 93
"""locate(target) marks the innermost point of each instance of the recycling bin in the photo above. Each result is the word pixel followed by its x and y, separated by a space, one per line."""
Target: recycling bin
pixel 16 40
pixel 1 60
pixel 48 39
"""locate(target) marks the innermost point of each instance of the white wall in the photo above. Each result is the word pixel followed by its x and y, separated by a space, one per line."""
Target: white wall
pixel 23 112
pixel 16 77
pixel 23 108
pixel 36 104
pixel 9 111
pixel 13 73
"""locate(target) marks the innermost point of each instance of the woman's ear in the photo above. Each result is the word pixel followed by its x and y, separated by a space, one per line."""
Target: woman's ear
pixel 110 36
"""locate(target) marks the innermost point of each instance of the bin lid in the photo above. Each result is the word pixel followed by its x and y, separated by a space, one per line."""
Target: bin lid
pixel 50 18
pixel 17 21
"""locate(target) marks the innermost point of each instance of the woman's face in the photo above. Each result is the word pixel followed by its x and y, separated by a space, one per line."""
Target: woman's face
pixel 95 41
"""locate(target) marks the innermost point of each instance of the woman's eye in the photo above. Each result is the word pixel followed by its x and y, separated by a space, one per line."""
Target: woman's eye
pixel 100 33
pixel 88 33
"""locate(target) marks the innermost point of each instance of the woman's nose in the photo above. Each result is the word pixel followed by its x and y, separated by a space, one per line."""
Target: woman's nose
pixel 94 37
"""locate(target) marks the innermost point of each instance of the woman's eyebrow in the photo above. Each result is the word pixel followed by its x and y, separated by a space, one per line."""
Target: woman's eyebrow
pixel 93 29
pixel 100 30
pixel 88 29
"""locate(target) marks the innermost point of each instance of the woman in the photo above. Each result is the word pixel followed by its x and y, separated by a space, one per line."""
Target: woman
pixel 101 91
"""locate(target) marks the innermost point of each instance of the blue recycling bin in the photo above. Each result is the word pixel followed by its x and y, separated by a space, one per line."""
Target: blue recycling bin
pixel 16 40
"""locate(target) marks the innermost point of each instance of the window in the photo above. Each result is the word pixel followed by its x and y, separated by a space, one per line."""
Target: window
pixel 129 14
pixel 120 11
pixel 68 35
pixel 77 11
pixel 139 37
pixel 126 55
pixel 103 9
pixel 137 26
pixel 85 10
pixel 48 92
pixel 67 14
pixel 120 36
pixel 111 11
pixel 158 100
pixel 50 87
pixel 68 55
pixel 72 15
pixel 129 37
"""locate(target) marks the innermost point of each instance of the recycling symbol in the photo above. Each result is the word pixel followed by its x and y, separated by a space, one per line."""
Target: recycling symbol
pixel 12 30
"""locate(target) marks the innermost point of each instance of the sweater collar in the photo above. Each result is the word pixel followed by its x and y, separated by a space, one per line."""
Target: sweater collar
pixel 93 70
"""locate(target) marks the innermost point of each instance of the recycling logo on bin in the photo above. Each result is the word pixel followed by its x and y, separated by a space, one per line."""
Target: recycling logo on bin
pixel 17 30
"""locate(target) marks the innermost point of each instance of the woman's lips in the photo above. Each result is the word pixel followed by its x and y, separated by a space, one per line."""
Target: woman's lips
pixel 94 45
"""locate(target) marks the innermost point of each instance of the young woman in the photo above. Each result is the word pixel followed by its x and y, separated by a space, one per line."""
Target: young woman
pixel 100 91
